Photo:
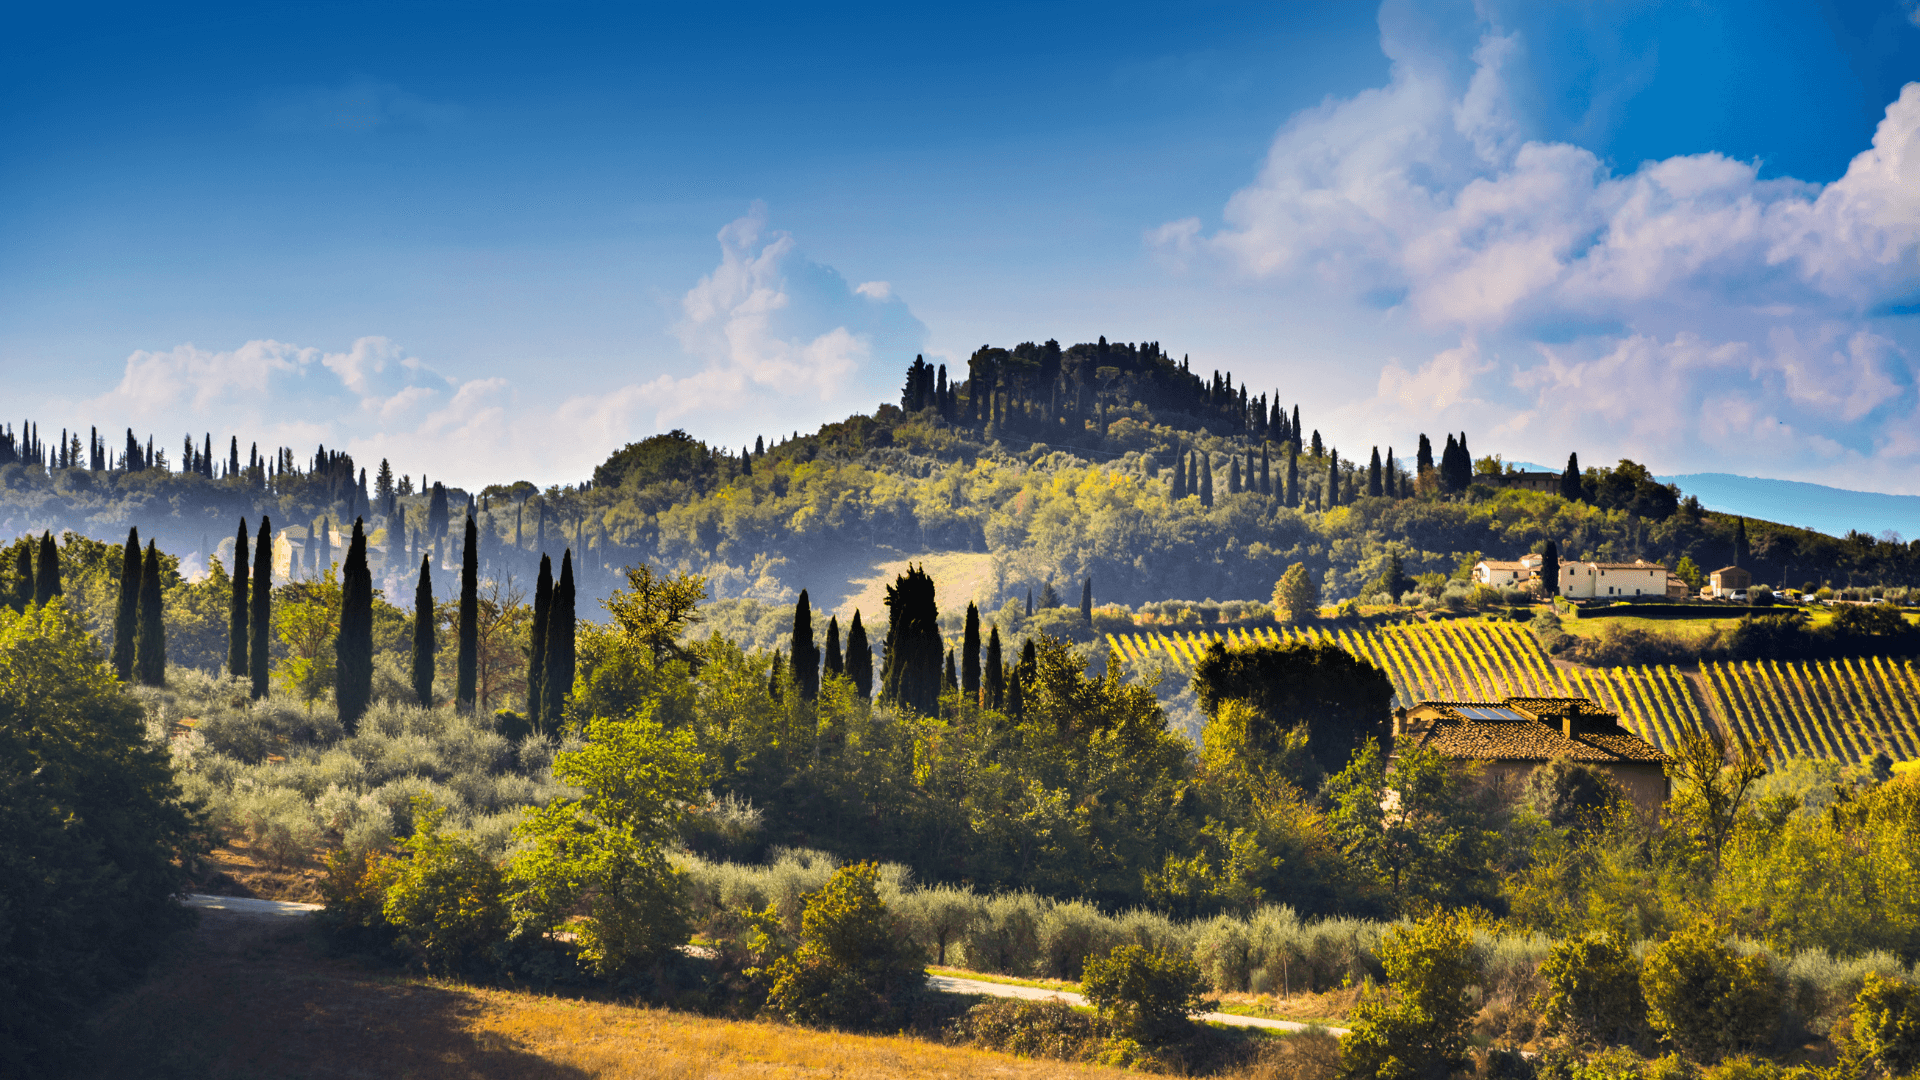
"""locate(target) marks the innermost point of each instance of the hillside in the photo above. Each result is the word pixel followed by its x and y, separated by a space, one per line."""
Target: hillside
pixel 1045 465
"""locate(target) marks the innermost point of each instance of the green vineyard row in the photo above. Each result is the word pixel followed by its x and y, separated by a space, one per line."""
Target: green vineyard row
pixel 1847 710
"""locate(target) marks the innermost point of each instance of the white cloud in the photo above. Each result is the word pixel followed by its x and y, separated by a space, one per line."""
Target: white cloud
pixel 1673 312
pixel 769 342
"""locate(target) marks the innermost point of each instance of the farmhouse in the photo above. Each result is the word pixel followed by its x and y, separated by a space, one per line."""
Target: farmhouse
pixel 1511 738
pixel 1499 574
pixel 1727 583
pixel 1598 580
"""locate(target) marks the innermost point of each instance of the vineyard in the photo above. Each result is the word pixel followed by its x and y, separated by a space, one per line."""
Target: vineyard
pixel 1847 710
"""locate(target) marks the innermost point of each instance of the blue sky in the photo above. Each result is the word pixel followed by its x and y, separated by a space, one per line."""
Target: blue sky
pixel 496 242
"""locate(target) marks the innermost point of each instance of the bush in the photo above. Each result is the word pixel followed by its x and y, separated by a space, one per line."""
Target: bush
pixel 1570 794
pixel 445 902
pixel 853 968
pixel 1149 996
pixel 1886 1024
pixel 1706 999
pixel 1422 1030
pixel 1593 989
pixel 1050 1029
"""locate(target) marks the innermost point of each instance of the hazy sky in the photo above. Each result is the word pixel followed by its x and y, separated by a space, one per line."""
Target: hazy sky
pixel 495 243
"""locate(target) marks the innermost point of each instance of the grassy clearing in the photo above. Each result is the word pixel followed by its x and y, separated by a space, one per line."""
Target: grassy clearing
pixel 959 576
pixel 245 998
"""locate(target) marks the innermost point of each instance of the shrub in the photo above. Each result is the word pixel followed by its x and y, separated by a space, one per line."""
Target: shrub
pixel 1149 996
pixel 1050 1029
pixel 444 902
pixel 1707 1000
pixel 1593 988
pixel 1422 1030
pixel 852 968
pixel 1886 1024
pixel 1570 794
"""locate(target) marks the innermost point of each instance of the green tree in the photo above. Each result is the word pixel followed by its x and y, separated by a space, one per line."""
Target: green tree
pixel 1421 1031
pixel 353 646
pixel 603 848
pixel 237 608
pixel 150 655
pixel 970 655
pixel 1338 697
pixel 1396 581
pixel 859 657
pixel 1295 597
pixel 803 654
pixel 468 670
pixel 1548 584
pixel 1412 823
pixel 1373 475
pixel 1593 988
pixel 22 594
pixel 260 619
pixel 854 966
pixel 46 571
pixel 1571 794
pixel 445 900
pixel 1886 1024
pixel 1706 998
pixel 835 662
pixel 1689 571
pixel 558 671
pixel 537 652
pixel 1570 487
pixel 1206 480
pixel 126 617
pixel 994 686
pixel 911 675
pixel 1149 996
pixel 424 646
pixel 93 838
pixel 307 618
pixel 1712 787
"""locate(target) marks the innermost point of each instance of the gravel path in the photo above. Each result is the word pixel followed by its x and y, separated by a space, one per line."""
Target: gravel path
pixel 946 984
pixel 951 985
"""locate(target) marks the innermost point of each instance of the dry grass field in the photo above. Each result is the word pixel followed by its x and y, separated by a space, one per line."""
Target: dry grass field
pixel 243 998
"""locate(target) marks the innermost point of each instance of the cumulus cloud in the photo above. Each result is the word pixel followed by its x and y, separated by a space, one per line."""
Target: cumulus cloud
pixel 1670 312
pixel 769 341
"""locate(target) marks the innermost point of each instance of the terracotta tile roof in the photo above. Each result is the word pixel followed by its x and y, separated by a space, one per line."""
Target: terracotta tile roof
pixel 1628 566
pixel 1473 730
pixel 1501 564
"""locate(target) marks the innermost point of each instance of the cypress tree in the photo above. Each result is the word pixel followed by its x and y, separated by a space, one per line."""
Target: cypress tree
pixel 1550 570
pixel 910 676
pixel 1086 600
pixel 804 654
pixel 835 663
pixel 970 655
pixel 995 691
pixel 150 654
pixel 949 683
pixel 1029 601
pixel 1333 479
pixel 1570 487
pixel 560 658
pixel 1423 461
pixel 773 679
pixel 468 668
pixel 1178 488
pixel 1206 480
pixel 1390 480
pixel 537 654
pixel 859 657
pixel 425 644
pixel 127 613
pixel 1266 475
pixel 1296 430
pixel 237 605
pixel 22 574
pixel 353 645
pixel 1293 479
pixel 260 619
pixel 1193 474
pixel 1374 489
pixel 46 575
pixel 1233 476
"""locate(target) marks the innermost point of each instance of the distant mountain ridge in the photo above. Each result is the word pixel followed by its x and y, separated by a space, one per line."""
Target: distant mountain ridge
pixel 1826 509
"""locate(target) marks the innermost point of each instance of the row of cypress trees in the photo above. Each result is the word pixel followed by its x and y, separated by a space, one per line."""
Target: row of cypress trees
pixel 550 654
pixel 139 624
pixel 250 608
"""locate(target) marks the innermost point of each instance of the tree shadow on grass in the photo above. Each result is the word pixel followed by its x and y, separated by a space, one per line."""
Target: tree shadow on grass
pixel 243 997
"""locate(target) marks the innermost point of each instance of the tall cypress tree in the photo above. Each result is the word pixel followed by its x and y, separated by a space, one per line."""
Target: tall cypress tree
pixel 995 691
pixel 537 655
pixel 1086 600
pixel 260 619
pixel 1373 475
pixel 425 643
pixel 353 645
pixel 46 574
pixel 468 669
pixel 1293 479
pixel 970 655
pixel 835 664
pixel 1177 488
pixel 859 657
pixel 150 654
pixel 1390 479
pixel 910 676
pixel 950 682
pixel 22 594
pixel 803 654
pixel 560 660
pixel 126 614
pixel 1550 571
pixel 1570 486
pixel 1423 460
pixel 1206 480
pixel 1333 479
pixel 237 604
pixel 1266 472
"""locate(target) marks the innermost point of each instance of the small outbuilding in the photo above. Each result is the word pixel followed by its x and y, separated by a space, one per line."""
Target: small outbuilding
pixel 1728 583
pixel 1511 738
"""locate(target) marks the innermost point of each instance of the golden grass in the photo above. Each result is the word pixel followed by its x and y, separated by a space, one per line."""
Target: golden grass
pixel 958 577
pixel 242 997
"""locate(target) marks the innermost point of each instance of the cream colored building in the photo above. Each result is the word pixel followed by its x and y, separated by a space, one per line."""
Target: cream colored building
pixel 1500 574
pixel 1727 583
pixel 1603 580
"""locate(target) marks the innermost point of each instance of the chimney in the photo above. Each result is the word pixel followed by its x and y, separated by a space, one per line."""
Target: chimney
pixel 1399 722
pixel 1567 725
